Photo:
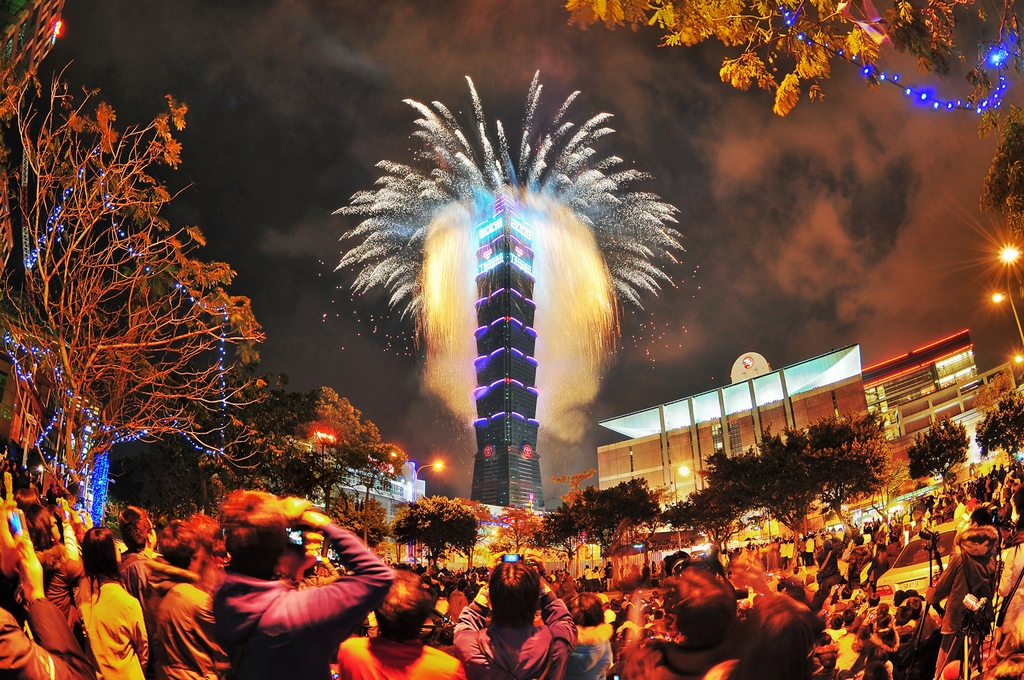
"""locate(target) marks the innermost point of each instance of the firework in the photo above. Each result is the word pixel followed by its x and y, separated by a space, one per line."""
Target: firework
pixel 596 245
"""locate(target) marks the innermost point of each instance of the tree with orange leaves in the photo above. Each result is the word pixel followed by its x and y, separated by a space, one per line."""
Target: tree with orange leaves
pixel 111 313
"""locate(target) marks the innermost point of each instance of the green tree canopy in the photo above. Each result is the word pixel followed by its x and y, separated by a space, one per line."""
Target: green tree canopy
pixel 939 451
pixel 779 478
pixel 354 515
pixel 519 528
pixel 565 530
pixel 439 524
pixel 1003 426
pixel 849 456
pixel 709 512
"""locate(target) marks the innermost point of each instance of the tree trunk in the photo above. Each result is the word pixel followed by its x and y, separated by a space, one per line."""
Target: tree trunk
pixel 206 506
pixel 366 513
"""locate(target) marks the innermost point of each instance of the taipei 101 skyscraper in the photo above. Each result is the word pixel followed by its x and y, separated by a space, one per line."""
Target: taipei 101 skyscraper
pixel 506 468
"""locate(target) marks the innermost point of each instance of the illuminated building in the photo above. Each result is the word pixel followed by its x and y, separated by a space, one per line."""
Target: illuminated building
pixel 28 29
pixel 506 468
pixel 670 443
pixel 894 388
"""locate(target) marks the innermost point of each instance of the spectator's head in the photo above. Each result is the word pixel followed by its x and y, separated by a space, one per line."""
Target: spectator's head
pixel 514 593
pixel 873 600
pixel 899 598
pixel 701 607
pixel 100 557
pixel 587 611
pixel 41 527
pixel 981 517
pixel 781 643
pixel 836 623
pixel 849 616
pixel 26 498
pixel 858 539
pixel 876 671
pixel 209 535
pixel 400 617
pixel 179 545
pixel 461 585
pixel 1018 505
pixel 254 524
pixel 137 531
pixel 902 616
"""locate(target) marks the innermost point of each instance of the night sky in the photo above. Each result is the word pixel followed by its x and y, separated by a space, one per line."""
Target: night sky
pixel 851 220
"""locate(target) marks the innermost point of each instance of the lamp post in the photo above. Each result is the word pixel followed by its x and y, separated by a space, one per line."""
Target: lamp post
pixel 439 465
pixel 1009 256
pixel 325 439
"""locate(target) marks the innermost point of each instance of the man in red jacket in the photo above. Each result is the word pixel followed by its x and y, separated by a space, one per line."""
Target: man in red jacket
pixel 398 653
pixel 511 646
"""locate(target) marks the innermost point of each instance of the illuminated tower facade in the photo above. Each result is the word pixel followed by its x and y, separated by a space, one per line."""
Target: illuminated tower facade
pixel 506 469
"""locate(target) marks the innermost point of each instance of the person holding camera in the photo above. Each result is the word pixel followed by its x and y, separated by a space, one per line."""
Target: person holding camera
pixel 269 627
pixel 512 646
pixel 53 652
pixel 967 584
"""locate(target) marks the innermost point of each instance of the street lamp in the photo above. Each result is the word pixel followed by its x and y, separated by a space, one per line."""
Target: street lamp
pixel 1009 256
pixel 439 465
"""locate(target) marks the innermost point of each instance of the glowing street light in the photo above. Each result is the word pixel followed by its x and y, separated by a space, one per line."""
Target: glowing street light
pixel 1009 256
pixel 325 437
pixel 684 471
pixel 1019 359
pixel 436 466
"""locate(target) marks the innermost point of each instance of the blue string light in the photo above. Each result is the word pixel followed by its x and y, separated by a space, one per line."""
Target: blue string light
pixel 997 57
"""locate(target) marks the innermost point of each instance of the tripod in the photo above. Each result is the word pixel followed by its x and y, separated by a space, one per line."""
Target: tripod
pixel 934 561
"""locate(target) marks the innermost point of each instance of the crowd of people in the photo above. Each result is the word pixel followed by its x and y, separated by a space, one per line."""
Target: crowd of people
pixel 250 595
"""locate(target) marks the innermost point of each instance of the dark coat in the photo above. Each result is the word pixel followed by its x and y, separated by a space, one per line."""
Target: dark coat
pixel 161 578
pixel 185 637
pixel 972 570
pixel 54 644
pixel 277 631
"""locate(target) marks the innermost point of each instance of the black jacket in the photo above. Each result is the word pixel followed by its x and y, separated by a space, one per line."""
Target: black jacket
pixel 55 647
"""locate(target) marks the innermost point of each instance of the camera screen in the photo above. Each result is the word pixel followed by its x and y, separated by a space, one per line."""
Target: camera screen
pixel 295 536
pixel 510 558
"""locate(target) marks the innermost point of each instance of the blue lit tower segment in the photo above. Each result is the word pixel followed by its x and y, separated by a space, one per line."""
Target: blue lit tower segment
pixel 506 469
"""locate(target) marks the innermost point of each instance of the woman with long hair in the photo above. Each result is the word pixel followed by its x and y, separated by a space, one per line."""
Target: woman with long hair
pixel 61 571
pixel 113 618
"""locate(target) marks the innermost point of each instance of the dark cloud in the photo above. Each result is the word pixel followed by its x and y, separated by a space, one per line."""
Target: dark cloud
pixel 852 220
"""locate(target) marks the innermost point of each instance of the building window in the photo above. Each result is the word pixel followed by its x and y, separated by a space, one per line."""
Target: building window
pixel 716 436
pixel 735 441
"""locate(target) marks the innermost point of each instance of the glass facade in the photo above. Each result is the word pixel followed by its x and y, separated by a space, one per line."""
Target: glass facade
pixel 891 385
pixel 506 469
pixel 732 419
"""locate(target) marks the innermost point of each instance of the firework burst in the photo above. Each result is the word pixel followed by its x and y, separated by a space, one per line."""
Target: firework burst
pixel 598 244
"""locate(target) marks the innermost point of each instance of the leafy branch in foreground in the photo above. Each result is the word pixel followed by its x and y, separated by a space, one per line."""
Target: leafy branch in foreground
pixel 786 43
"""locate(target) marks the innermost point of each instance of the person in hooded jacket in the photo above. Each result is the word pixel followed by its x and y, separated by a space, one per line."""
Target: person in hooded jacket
pixel 828 573
pixel 182 633
pixel 1013 570
pixel 860 557
pixel 511 646
pixel 269 627
pixel 52 653
pixel 169 568
pixel 971 570
pixel 592 656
